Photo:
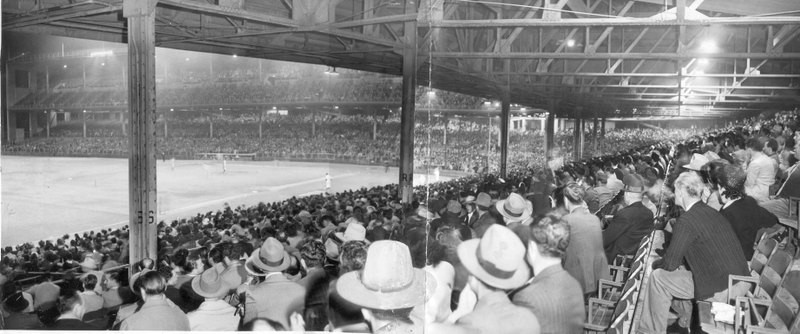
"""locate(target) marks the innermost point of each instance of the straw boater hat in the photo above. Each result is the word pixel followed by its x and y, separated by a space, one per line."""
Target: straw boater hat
pixel 514 209
pixel 271 257
pixel 697 162
pixel 210 284
pixel 497 259
pixel 388 280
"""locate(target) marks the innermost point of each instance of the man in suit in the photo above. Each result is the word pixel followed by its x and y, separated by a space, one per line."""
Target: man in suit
pixel 585 259
pixel 72 311
pixel 388 288
pixel 157 313
pixel 472 213
pixel 496 264
pixel 553 295
pixel 747 218
pixel 276 298
pixel 485 220
pixel 629 225
pixel 704 240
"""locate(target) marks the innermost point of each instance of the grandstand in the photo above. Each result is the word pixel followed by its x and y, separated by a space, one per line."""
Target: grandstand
pixel 574 166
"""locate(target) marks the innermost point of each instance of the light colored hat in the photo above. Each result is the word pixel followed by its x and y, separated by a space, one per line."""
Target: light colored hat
pixel 210 284
pixel 453 207
pixel 711 156
pixel 483 200
pixel 423 212
pixel 304 215
pixel 469 199
pixel 697 162
pixel 388 280
pixel 354 231
pixel 271 257
pixel 89 263
pixel 497 259
pixel 515 208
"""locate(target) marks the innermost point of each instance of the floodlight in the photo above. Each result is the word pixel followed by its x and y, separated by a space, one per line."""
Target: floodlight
pixel 708 46
pixel 431 94
pixel 570 43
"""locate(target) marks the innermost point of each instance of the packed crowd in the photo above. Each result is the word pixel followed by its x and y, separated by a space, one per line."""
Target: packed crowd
pixel 468 146
pixel 475 254
pixel 265 92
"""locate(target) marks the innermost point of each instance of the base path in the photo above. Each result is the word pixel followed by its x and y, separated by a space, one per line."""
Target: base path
pixel 44 198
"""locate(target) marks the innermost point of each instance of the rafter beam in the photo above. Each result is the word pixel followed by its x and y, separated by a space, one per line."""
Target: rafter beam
pixel 614 55
pixel 615 22
pixel 58 15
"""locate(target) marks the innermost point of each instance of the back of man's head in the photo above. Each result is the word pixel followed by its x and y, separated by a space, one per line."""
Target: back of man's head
pixel 90 282
pixel 71 302
pixel 152 283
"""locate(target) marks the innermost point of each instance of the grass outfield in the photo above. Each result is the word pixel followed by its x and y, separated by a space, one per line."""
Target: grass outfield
pixel 49 197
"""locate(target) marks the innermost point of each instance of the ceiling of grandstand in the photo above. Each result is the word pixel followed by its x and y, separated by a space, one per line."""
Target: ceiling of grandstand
pixel 693 56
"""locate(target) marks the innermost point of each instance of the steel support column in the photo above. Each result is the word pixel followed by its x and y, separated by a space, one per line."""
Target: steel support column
pixel 505 112
pixel 549 130
pixel 142 140
pixel 407 108
pixel 84 123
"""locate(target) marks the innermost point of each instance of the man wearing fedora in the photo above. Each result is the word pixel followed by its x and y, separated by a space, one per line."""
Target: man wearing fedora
pixel 14 315
pixel 515 209
pixel 631 223
pixel 214 314
pixel 496 264
pixel 553 295
pixel 485 219
pixel 276 297
pixel 388 288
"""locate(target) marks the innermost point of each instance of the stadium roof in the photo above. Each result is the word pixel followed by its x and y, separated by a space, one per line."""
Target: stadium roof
pixel 701 56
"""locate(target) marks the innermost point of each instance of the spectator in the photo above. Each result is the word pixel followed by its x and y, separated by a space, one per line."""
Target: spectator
pixel 344 315
pixel 388 288
pixel 214 314
pixel 748 219
pixel 553 295
pixel 316 283
pixel 496 263
pixel 72 311
pixel 276 297
pixel 485 219
pixel 584 259
pixel 705 241
pixel 15 317
pixel 45 294
pixel 92 301
pixel 156 313
pixel 515 209
pixel 760 171
pixel 630 224
pixel 115 294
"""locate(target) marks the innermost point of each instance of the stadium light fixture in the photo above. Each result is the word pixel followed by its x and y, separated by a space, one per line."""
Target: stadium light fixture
pixel 220 108
pixel 187 59
pixel 170 109
pixel 102 64
pixel 235 56
pixel 487 103
pixel 523 109
pixel 708 46
pixel 570 43
pixel 84 110
pixel 431 94
pixel 335 107
pixel 65 65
